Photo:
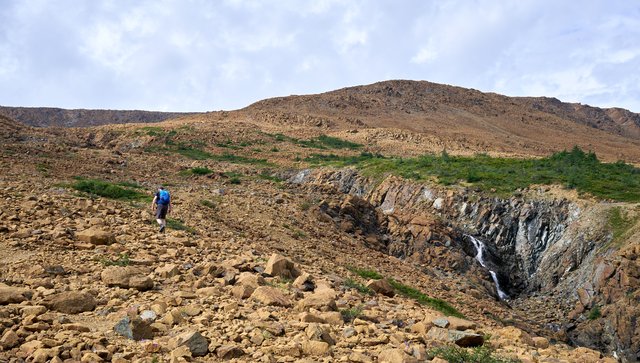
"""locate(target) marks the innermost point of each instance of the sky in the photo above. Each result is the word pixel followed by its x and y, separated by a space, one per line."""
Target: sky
pixel 208 55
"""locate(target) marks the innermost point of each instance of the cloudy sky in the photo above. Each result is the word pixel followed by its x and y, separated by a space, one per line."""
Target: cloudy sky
pixel 200 55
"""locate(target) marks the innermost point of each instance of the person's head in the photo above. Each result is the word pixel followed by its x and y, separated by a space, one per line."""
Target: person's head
pixel 160 188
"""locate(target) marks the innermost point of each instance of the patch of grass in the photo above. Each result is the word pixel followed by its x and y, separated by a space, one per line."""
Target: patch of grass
pixel 349 315
pixel 440 305
pixel 594 313
pixel 620 223
pixel 482 354
pixel 328 142
pixel 179 225
pixel 107 189
pixel 234 178
pixel 197 171
pixel 208 203
pixel 575 169
pixel 298 234
pixel 194 153
pixel 237 159
pixel 122 260
pixel 353 284
pixel 365 273
pixel 272 177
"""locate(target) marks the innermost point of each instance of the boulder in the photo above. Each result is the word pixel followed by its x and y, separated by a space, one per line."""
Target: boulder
pixel 304 282
pixel 9 339
pixel 314 347
pixel 135 329
pixel 460 338
pixel 250 280
pixel 71 302
pixel 242 292
pixel 451 322
pixel 198 344
pixel 96 236
pixel 381 287
pixel 392 356
pixel 167 271
pixel 226 352
pixel 271 296
pixel 323 299
pixel 278 265
pixel 126 277
pixel 320 332
pixel 13 295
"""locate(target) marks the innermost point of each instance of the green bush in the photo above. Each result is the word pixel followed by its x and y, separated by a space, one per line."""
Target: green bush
pixel 574 169
pixel 365 273
pixel 440 305
pixel 107 189
pixel 208 203
pixel 482 354
pixel 122 260
pixel 201 171
pixel 594 313
pixel 349 315
pixel 353 284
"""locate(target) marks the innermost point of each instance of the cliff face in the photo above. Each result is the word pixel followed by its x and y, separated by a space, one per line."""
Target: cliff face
pixel 551 248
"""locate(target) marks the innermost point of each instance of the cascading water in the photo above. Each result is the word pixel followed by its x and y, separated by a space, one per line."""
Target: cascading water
pixel 479 245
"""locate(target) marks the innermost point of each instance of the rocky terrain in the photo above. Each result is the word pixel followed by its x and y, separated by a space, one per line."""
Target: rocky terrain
pixel 267 259
pixel 48 116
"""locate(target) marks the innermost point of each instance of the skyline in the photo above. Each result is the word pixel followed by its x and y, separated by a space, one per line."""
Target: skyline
pixel 197 55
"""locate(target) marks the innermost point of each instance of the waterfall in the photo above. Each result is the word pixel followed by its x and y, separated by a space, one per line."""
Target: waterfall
pixel 479 245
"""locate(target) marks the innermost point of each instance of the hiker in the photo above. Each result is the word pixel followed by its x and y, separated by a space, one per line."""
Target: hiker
pixel 162 204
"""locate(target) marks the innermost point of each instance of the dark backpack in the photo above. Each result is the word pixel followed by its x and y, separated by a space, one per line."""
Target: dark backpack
pixel 163 197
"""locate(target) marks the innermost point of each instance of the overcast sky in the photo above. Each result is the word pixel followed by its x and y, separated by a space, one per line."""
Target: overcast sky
pixel 202 55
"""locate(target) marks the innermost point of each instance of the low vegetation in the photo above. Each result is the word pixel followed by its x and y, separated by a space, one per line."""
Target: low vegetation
pixel 349 315
pixel 620 223
pixel 437 304
pixel 365 273
pixel 594 313
pixel 107 189
pixel 355 285
pixel 575 169
pixel 197 171
pixel 122 260
pixel 482 354
pixel 179 225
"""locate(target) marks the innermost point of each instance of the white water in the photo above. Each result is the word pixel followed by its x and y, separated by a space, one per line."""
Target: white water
pixel 479 245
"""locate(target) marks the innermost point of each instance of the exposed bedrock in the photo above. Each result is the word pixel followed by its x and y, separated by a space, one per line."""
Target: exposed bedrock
pixel 552 250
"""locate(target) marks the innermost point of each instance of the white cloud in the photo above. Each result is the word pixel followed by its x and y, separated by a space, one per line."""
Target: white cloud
pixel 202 55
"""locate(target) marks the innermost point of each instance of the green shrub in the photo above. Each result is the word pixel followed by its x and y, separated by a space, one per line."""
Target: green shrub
pixel 207 203
pixel 482 354
pixel 365 273
pixel 349 315
pixel 440 305
pixel 353 284
pixel 594 313
pixel 573 169
pixel 122 260
pixel 107 189
pixel 200 171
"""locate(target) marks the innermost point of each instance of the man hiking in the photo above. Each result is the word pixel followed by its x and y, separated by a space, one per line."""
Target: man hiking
pixel 162 204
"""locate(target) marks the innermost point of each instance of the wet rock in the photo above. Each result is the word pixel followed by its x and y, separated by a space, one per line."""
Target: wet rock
pixel 126 277
pixel 71 302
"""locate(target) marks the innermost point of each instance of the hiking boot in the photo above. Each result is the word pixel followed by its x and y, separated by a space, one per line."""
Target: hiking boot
pixel 162 229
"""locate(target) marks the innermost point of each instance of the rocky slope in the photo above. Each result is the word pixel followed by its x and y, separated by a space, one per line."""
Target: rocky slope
pixel 252 268
pixel 48 116
pixel 560 250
